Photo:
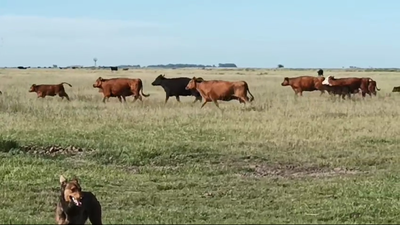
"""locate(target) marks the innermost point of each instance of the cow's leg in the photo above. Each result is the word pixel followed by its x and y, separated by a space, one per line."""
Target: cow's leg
pixel 205 102
pixel 119 98
pixel 243 100
pixel 322 92
pixel 177 98
pixel 216 103
pixel 197 98
pixel 104 99
pixel 135 98
pixel 123 97
pixel 166 98
pixel 66 96
pixel 348 95
pixel 300 92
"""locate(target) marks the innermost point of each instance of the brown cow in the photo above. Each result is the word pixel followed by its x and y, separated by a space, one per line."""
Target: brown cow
pixel 304 83
pixel 42 90
pixel 353 83
pixel 120 87
pixel 214 90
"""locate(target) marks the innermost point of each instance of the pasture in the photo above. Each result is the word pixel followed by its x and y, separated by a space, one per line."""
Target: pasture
pixel 280 159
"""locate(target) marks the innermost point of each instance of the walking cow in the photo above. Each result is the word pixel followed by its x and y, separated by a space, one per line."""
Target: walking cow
pixel 176 87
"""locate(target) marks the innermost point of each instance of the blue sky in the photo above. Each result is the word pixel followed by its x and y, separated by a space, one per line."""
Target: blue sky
pixel 253 33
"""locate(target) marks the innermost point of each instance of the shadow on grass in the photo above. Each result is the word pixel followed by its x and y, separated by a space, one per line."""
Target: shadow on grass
pixel 8 145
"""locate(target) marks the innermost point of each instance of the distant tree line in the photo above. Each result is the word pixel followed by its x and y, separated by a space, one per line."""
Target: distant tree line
pixel 181 65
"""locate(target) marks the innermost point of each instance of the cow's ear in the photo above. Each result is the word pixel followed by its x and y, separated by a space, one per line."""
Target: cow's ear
pixel 286 78
pixel 33 85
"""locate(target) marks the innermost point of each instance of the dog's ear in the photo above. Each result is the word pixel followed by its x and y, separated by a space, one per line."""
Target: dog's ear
pixel 63 180
pixel 75 180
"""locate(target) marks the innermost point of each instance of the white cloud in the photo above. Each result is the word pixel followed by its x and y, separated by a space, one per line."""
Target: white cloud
pixel 36 39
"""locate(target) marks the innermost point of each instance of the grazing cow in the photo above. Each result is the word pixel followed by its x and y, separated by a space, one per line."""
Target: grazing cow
pixel 304 83
pixel 214 90
pixel 50 89
pixel 353 83
pixel 120 87
pixel 320 72
pixel 176 87
pixel 114 68
pixel 372 88
pixel 396 89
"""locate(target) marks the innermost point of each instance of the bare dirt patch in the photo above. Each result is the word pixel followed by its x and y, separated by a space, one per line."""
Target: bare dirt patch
pixel 296 171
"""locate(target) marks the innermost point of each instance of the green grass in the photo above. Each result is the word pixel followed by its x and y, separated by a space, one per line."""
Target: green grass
pixel 282 159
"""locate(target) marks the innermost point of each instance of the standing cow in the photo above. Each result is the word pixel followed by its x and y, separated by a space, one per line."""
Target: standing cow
pixel 214 90
pixel 176 87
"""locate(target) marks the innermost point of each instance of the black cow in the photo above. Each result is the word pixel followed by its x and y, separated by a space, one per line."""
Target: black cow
pixel 176 87
pixel 320 72
pixel 396 89
pixel 114 68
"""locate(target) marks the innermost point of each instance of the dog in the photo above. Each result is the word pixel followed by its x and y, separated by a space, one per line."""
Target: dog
pixel 76 206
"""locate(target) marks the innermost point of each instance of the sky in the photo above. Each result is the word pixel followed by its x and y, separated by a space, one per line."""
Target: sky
pixel 252 33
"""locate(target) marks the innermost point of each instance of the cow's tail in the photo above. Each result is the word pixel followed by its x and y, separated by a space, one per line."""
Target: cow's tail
pixel 248 90
pixel 66 83
pixel 141 89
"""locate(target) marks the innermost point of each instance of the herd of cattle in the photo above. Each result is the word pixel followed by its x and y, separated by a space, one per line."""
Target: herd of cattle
pixel 214 90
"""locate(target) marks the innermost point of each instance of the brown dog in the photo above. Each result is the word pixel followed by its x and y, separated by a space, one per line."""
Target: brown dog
pixel 50 89
pixel 76 206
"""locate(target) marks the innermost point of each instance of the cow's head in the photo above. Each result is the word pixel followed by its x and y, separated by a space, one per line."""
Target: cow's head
pixel 158 80
pixel 98 82
pixel 193 83
pixel 327 80
pixel 33 88
pixel 285 81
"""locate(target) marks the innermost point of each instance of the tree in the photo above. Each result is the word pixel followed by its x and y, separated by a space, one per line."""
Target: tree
pixel 280 66
pixel 95 62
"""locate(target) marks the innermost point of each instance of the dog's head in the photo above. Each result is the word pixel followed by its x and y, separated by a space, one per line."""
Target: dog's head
pixel 71 191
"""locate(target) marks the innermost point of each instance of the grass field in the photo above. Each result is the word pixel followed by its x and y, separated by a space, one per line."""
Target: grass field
pixel 312 159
